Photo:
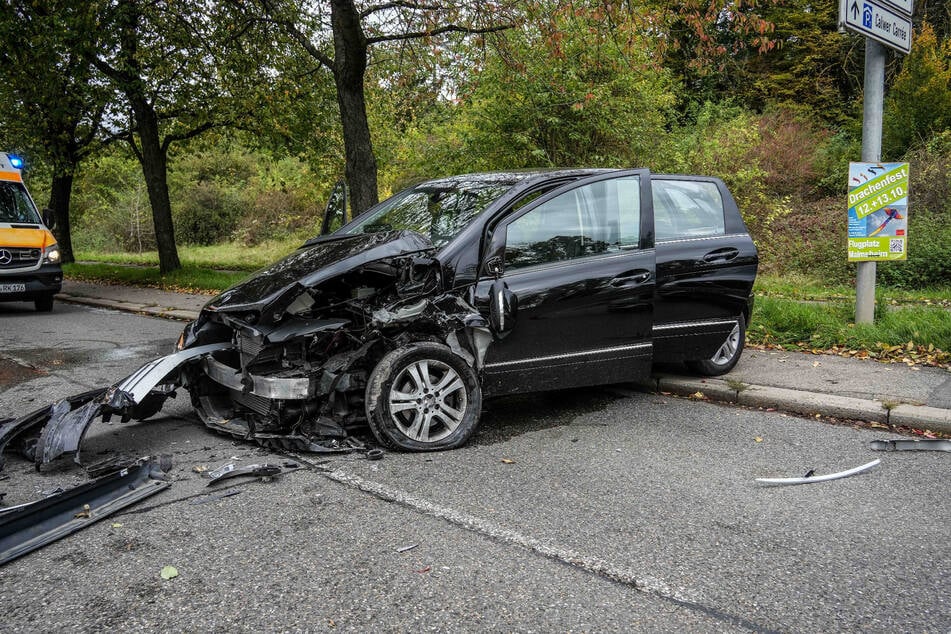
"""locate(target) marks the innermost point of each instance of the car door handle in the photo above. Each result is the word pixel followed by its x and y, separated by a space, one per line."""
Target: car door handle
pixel 631 277
pixel 721 255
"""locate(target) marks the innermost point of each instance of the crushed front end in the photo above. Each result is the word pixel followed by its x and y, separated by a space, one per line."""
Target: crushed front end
pixel 307 332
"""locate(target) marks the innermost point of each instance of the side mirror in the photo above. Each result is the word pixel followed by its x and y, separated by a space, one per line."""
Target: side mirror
pixel 336 208
pixel 49 218
pixel 503 306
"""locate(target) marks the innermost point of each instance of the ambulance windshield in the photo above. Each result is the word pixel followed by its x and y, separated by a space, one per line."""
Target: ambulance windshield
pixel 15 204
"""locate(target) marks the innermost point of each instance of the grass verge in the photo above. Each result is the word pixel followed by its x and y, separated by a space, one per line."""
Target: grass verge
pixel 187 279
pixel 233 256
pixel 919 334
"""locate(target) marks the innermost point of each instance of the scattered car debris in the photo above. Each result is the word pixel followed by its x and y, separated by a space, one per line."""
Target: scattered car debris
pixel 109 465
pixel 229 471
pixel 374 454
pixel 227 493
pixel 809 478
pixel 911 444
pixel 406 548
pixel 37 419
pixel 27 527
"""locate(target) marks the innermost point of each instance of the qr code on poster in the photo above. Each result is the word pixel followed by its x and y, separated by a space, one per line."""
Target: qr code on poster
pixel 896 245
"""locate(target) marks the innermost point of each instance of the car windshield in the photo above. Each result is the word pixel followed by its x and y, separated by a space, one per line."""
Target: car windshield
pixel 15 204
pixel 439 210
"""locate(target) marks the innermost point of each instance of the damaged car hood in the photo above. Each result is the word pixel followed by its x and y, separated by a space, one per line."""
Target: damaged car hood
pixel 314 263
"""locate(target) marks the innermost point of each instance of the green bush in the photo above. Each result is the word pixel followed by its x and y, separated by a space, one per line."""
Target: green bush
pixel 207 213
pixel 277 214
pixel 929 220
pixel 110 207
pixel 725 141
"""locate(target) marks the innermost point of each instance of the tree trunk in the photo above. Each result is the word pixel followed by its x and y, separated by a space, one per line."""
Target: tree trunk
pixel 60 192
pixel 152 153
pixel 153 157
pixel 350 64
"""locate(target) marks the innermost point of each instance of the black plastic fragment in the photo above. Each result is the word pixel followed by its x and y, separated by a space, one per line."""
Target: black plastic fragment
pixel 28 527
pixel 11 429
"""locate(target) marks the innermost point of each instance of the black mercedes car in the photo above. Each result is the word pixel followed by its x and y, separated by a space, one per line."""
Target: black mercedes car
pixel 449 292
pixel 475 286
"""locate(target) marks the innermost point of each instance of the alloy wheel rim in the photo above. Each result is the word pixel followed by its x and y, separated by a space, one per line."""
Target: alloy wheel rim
pixel 728 350
pixel 428 400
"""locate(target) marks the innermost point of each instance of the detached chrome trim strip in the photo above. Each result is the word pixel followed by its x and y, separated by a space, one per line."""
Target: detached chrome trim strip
pixel 570 355
pixel 681 325
pixel 264 386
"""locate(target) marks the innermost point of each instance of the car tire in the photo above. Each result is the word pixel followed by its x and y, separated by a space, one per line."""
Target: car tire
pixel 422 397
pixel 726 356
pixel 44 303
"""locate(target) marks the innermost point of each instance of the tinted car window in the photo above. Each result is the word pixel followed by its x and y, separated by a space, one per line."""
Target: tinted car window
pixel 687 209
pixel 594 219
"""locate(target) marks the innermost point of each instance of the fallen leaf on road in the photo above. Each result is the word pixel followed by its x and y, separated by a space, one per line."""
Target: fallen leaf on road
pixel 507 461
pixel 758 439
pixel 169 572
pixel 424 570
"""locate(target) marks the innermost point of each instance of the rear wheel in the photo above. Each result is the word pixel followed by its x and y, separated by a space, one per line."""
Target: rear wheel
pixel 44 303
pixel 422 397
pixel 726 356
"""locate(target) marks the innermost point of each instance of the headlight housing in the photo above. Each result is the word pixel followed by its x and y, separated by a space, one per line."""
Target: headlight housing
pixel 51 254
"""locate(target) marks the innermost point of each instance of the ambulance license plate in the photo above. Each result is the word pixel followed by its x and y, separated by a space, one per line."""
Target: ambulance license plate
pixel 12 288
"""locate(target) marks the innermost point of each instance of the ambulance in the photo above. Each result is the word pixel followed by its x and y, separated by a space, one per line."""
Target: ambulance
pixel 29 256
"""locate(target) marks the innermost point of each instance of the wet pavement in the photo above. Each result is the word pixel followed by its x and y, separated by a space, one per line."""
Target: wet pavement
pixel 581 510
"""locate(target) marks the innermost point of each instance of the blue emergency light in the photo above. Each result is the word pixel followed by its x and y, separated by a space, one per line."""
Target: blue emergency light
pixel 15 161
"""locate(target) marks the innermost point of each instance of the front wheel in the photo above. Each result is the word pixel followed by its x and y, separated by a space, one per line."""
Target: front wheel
pixel 422 397
pixel 728 354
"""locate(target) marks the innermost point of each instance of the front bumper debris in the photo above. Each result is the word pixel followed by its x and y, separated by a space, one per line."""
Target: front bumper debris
pixel 27 527
pixel 64 424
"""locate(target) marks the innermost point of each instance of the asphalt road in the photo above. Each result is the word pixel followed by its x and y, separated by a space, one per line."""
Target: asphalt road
pixel 584 510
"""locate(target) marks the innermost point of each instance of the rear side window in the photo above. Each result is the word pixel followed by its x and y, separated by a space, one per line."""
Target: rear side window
pixel 687 209
pixel 594 219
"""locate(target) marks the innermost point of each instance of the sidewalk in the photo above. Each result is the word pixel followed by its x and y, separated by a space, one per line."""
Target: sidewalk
pixel 795 382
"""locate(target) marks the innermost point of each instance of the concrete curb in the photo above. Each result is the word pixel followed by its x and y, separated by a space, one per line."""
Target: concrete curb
pixel 165 312
pixel 805 403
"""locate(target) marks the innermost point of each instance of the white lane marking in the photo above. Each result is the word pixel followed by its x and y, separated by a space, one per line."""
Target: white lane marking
pixel 595 565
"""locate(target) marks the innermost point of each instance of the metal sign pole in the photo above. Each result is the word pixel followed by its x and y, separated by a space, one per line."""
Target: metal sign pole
pixel 872 107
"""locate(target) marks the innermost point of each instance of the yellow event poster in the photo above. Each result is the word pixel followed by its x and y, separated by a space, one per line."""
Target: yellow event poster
pixel 878 211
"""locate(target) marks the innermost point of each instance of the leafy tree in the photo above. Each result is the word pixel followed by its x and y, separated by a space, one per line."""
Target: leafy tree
pixel 341 40
pixel 813 67
pixel 53 99
pixel 575 84
pixel 918 104
pixel 708 42
pixel 174 65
